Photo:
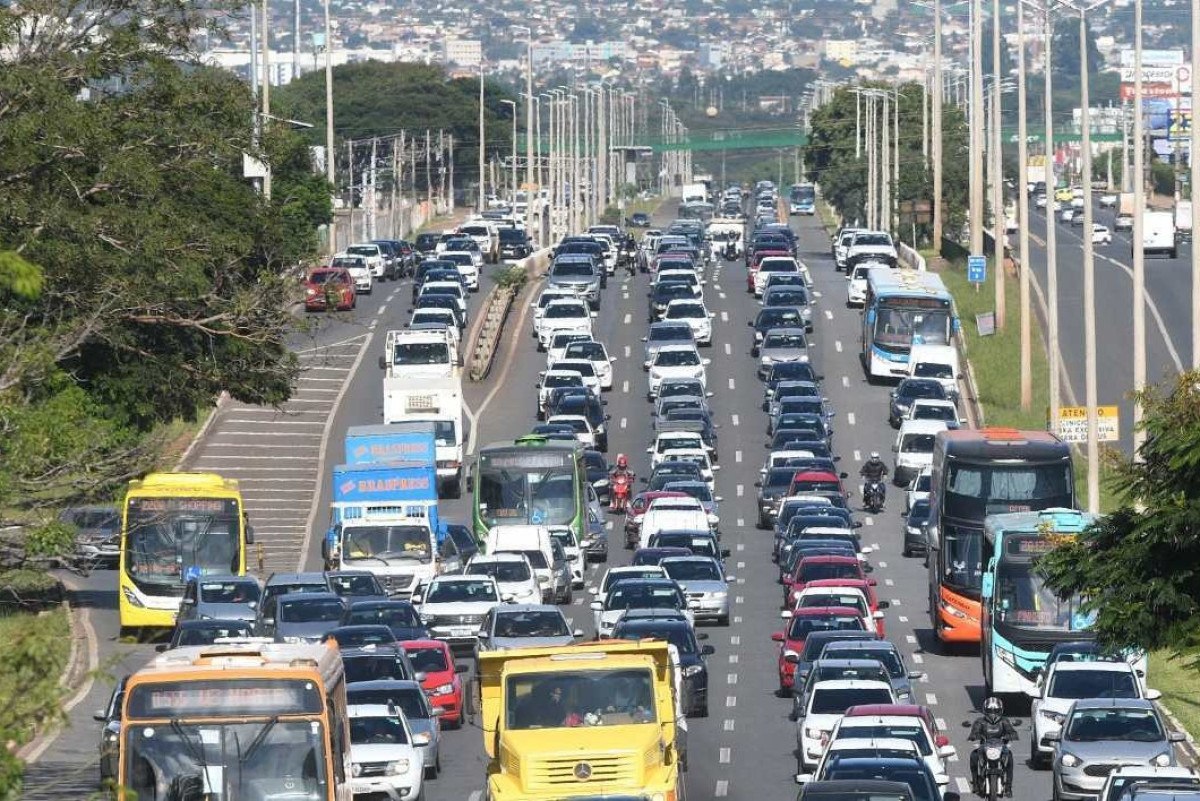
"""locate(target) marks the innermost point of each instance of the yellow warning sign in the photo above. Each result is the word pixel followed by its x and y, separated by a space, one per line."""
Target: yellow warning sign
pixel 1073 423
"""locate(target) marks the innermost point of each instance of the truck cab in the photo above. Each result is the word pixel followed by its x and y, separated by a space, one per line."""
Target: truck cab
pixel 424 352
pixel 558 720
pixel 436 400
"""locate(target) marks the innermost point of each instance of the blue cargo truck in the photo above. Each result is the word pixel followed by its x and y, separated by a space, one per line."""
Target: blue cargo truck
pixel 398 442
pixel 384 520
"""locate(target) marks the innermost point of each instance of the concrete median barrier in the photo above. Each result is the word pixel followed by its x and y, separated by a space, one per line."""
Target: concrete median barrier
pixel 496 307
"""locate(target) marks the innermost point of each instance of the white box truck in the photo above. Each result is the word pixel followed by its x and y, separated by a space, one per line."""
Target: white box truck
pixel 439 401
pixel 1158 234
pixel 427 353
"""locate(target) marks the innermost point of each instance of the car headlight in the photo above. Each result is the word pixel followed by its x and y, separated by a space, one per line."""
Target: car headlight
pixel 692 670
pixel 396 768
pixel 1162 760
pixel 902 406
pixel 953 611
pixel 1007 657
pixel 903 694
pixel 443 689
pixel 132 599
pixel 356 769
pixel 1069 760
pixel 713 519
pixel 813 733
pixel 422 738
pixel 1052 716
pixel 719 595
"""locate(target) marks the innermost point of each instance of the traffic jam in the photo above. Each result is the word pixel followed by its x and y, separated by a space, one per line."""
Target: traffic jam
pixel 600 577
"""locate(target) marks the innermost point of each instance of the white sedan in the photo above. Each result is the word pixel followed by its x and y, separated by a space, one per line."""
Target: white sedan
pixel 1101 235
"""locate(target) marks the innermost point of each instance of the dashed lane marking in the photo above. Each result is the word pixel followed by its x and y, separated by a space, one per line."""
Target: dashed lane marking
pixel 837 345
pixel 961 783
pixel 721 790
pixel 733 659
pixel 902 618
pixel 857 456
pixel 737 620
pixel 846 384
pixel 730 701
pixel 889 583
pixel 741 565
pixel 870 521
pixel 850 418
pixel 910 639
pixel 895 602
pixel 728 349
pixel 729 724
pixel 735 639
pixel 883 564
pixel 722 296
pixel 737 457
pixel 931 699
pixel 627 351
pixel 828 314
pixel 740 490
pixel 625 387
pixel 731 678
pixel 741 523
pixel 732 384
pixel 623 421
pixel 724 316
pixel 917 659
pixel 739 599
pixel 628 318
pixel 733 418
pixel 725 755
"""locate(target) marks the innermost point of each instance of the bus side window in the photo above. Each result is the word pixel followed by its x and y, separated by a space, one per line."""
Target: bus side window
pixel 337 731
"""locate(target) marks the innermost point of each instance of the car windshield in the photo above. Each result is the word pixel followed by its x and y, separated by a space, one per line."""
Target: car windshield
pixel 929 411
pixel 363 250
pixel 924 388
pixel 396 614
pixel 826 672
pixel 410 700
pixel 913 732
pixel 918 443
pixel 815 571
pixel 804 625
pixel 692 570
pixel 872 239
pixel 553 380
pixel 421 353
pixel 669 333
pixel 686 311
pixel 785 297
pixel 634 596
pixel 211 632
pixel 565 311
pixel 852 601
pixel 773 318
pixel 572 268
pixel 592 351
pixel 321 276
pixel 778 266
pixel 540 623
pixel 679 636
pixel 584 368
pixel 449 592
pixel 1076 684
pixel 372 666
pixel 1093 725
pixel 501 570
pixel 836 700
pixel 229 592
pixel 354 584
pixel 932 370
pixel 776 340
pixel 382 543
pixel 428 660
pixel 310 610
pixel 598 697
pixel 677 358
pixel 915 775
pixel 377 731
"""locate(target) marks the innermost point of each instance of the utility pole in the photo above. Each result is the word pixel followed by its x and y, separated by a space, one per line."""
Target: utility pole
pixel 885 172
pixel 998 215
pixel 350 161
pixel 429 172
pixel 977 126
pixel 1194 176
pixel 295 39
pixel 482 142
pixel 399 230
pixel 266 90
pixel 441 162
pixel 575 199
pixel 1023 218
pixel 1055 353
pixel 371 204
pixel 895 193
pixel 450 193
pixel 329 155
pixel 1139 255
pixel 1089 276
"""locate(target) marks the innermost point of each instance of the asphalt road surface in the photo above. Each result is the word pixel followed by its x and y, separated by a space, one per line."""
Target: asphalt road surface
pixel 744 749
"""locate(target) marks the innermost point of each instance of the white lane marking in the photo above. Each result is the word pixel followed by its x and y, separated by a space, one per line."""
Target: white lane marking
pixel 882 564
pixel 889 583
pixel 737 456
pixel 379 312
pixel 850 418
pixel 857 456
pixel 722 788
pixel 910 639
pixel 627 351
pixel 741 522
pixel 726 754
pixel 728 349
pixel 918 659
pixel 741 565
pixel 737 620
pixel 623 421
pixel 628 318
pixel 577 601
pixel 731 678
pixel 728 725
pixel 625 387
pixel 733 418
pixel 740 490
pixel 731 701
pixel 475 795
pixel 828 314
pixel 931 699
pixel 846 384
pixel 393 294
pixel 739 599
pixel 963 785
pixel 817 294
pixel 902 618
pixel 870 521
pixel 837 345
pixel 741 546
pixel 732 385
pixel 735 639
pixel 721 295
pixel 733 659
pixel 941 723
pixel 724 316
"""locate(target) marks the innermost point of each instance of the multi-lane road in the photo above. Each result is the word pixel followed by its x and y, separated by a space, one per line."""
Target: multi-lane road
pixel 744 749
pixel 1168 312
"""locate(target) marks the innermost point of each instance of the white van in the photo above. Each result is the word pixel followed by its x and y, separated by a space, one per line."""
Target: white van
pixel 536 544
pixel 673 514
pixel 914 448
pixel 939 362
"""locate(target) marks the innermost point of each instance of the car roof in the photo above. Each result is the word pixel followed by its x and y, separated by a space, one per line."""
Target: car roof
pixel 851 684
pixel 507 609
pixel 868 645
pixel 308 597
pixel 296 578
pixel 922 426
pixel 1065 666
pixel 1113 703
pixel 212 623
pixel 381 603
pixel 861 743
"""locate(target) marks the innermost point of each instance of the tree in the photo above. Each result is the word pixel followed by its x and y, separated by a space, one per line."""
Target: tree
pixel 1007 66
pixel 1137 567
pixel 1066 53
pixel 140 274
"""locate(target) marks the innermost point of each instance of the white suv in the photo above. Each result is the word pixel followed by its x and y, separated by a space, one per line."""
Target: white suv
pixel 382 755
pixel 372 254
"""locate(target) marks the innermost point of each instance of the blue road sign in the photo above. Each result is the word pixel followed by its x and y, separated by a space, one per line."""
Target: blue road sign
pixel 976 269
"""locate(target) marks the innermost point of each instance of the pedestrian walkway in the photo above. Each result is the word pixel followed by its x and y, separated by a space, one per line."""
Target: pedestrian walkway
pixel 274 453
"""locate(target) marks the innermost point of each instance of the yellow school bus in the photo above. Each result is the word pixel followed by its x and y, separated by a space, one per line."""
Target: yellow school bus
pixel 237 720
pixel 174 527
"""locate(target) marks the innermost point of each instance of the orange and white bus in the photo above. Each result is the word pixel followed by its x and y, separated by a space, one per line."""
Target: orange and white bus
pixel 239 720
pixel 976 473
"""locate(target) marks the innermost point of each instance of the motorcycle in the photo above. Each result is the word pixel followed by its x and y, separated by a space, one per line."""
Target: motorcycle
pixel 874 493
pixel 730 251
pixel 619 487
pixel 989 783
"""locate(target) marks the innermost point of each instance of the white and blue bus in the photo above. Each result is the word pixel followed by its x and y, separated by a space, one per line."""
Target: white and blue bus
pixel 803 199
pixel 903 308
pixel 1023 619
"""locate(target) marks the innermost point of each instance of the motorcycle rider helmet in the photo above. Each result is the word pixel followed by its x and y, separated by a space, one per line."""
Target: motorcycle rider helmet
pixel 874 455
pixel 993 709
pixel 622 462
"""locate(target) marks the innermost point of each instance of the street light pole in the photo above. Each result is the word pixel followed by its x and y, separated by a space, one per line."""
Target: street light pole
pixel 530 101
pixel 330 155
pixel 513 166
pixel 998 221
pixel 1194 173
pixel 977 125
pixel 1139 256
pixel 1089 275
pixel 482 204
pixel 1023 219
pixel 1055 353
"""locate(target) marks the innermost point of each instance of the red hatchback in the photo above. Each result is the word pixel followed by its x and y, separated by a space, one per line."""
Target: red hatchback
pixel 804 622
pixel 442 683
pixel 329 287
pixel 637 509
pixel 814 568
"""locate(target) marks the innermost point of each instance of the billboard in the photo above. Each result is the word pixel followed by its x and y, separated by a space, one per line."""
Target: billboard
pixel 1164 58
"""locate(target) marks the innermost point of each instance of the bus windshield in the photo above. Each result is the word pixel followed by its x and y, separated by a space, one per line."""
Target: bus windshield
pixel 532 491
pixel 962 557
pixel 170 540
pixel 1024 600
pixel 900 327
pixel 974 491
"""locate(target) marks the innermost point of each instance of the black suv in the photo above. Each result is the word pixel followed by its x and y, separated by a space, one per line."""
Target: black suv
pixel 692 657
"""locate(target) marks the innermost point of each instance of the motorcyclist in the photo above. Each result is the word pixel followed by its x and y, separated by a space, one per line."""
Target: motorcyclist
pixel 992 726
pixel 873 471
pixel 622 468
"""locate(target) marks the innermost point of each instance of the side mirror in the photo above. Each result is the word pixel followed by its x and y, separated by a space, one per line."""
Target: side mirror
pixel 416 599
pixel 158 649
pixel 803 778
pixel 437 711
pixel 731 578
pixel 879 616
pixel 843 475
pixel 382 363
pixel 268 621
pixel 707 650
pixel 508 597
pixel 250 541
pixel 946 751
pixel 1056 736
pixel 1176 737
pixel 777 636
pixel 725 555
pixel 1036 692
pixel 483 635
pixel 99 715
pixel 593 590
pixel 1153 695
pixel 916 675
pixel 574 633
pixel 884 604
pixel 188 601
pixel 597 606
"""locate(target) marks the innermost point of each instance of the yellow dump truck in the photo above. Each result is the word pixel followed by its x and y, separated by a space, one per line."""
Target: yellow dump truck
pixel 582 721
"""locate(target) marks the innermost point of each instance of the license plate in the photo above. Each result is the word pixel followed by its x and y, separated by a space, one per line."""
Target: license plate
pixel 461 631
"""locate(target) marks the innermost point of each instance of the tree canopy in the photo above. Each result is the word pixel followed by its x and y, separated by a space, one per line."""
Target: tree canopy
pixel 140 274
pixel 1137 567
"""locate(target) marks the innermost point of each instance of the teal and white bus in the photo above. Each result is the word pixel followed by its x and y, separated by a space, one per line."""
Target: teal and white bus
pixel 903 308
pixel 1022 618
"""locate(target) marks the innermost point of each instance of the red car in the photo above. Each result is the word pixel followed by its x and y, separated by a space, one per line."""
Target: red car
pixel 636 509
pixel 329 287
pixel 940 740
pixel 865 586
pixel 756 259
pixel 441 683
pixel 814 568
pixel 803 622
pixel 816 482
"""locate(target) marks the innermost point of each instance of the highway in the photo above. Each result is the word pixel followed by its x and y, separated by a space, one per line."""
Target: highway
pixel 1168 313
pixel 744 749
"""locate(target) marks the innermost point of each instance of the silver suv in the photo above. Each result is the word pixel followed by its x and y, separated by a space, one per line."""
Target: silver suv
pixel 580 276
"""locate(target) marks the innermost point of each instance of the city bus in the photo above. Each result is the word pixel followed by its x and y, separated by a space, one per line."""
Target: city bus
pixel 1022 618
pixel 531 481
pixel 803 199
pixel 174 527
pixel 243 719
pixel 976 473
pixel 903 308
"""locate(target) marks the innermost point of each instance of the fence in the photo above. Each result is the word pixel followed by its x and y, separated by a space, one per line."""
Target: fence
pixel 390 222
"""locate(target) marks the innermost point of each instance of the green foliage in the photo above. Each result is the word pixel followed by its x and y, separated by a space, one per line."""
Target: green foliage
pixel 512 277
pixel 1066 53
pixel 1137 567
pixel 1162 176
pixel 18 277
pixel 34 654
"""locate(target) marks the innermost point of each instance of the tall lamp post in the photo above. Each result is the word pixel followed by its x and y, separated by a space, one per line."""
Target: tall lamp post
pixel 513 174
pixel 482 142
pixel 529 118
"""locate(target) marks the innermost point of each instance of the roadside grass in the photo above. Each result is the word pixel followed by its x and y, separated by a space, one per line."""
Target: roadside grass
pixel 176 436
pixel 1178 682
